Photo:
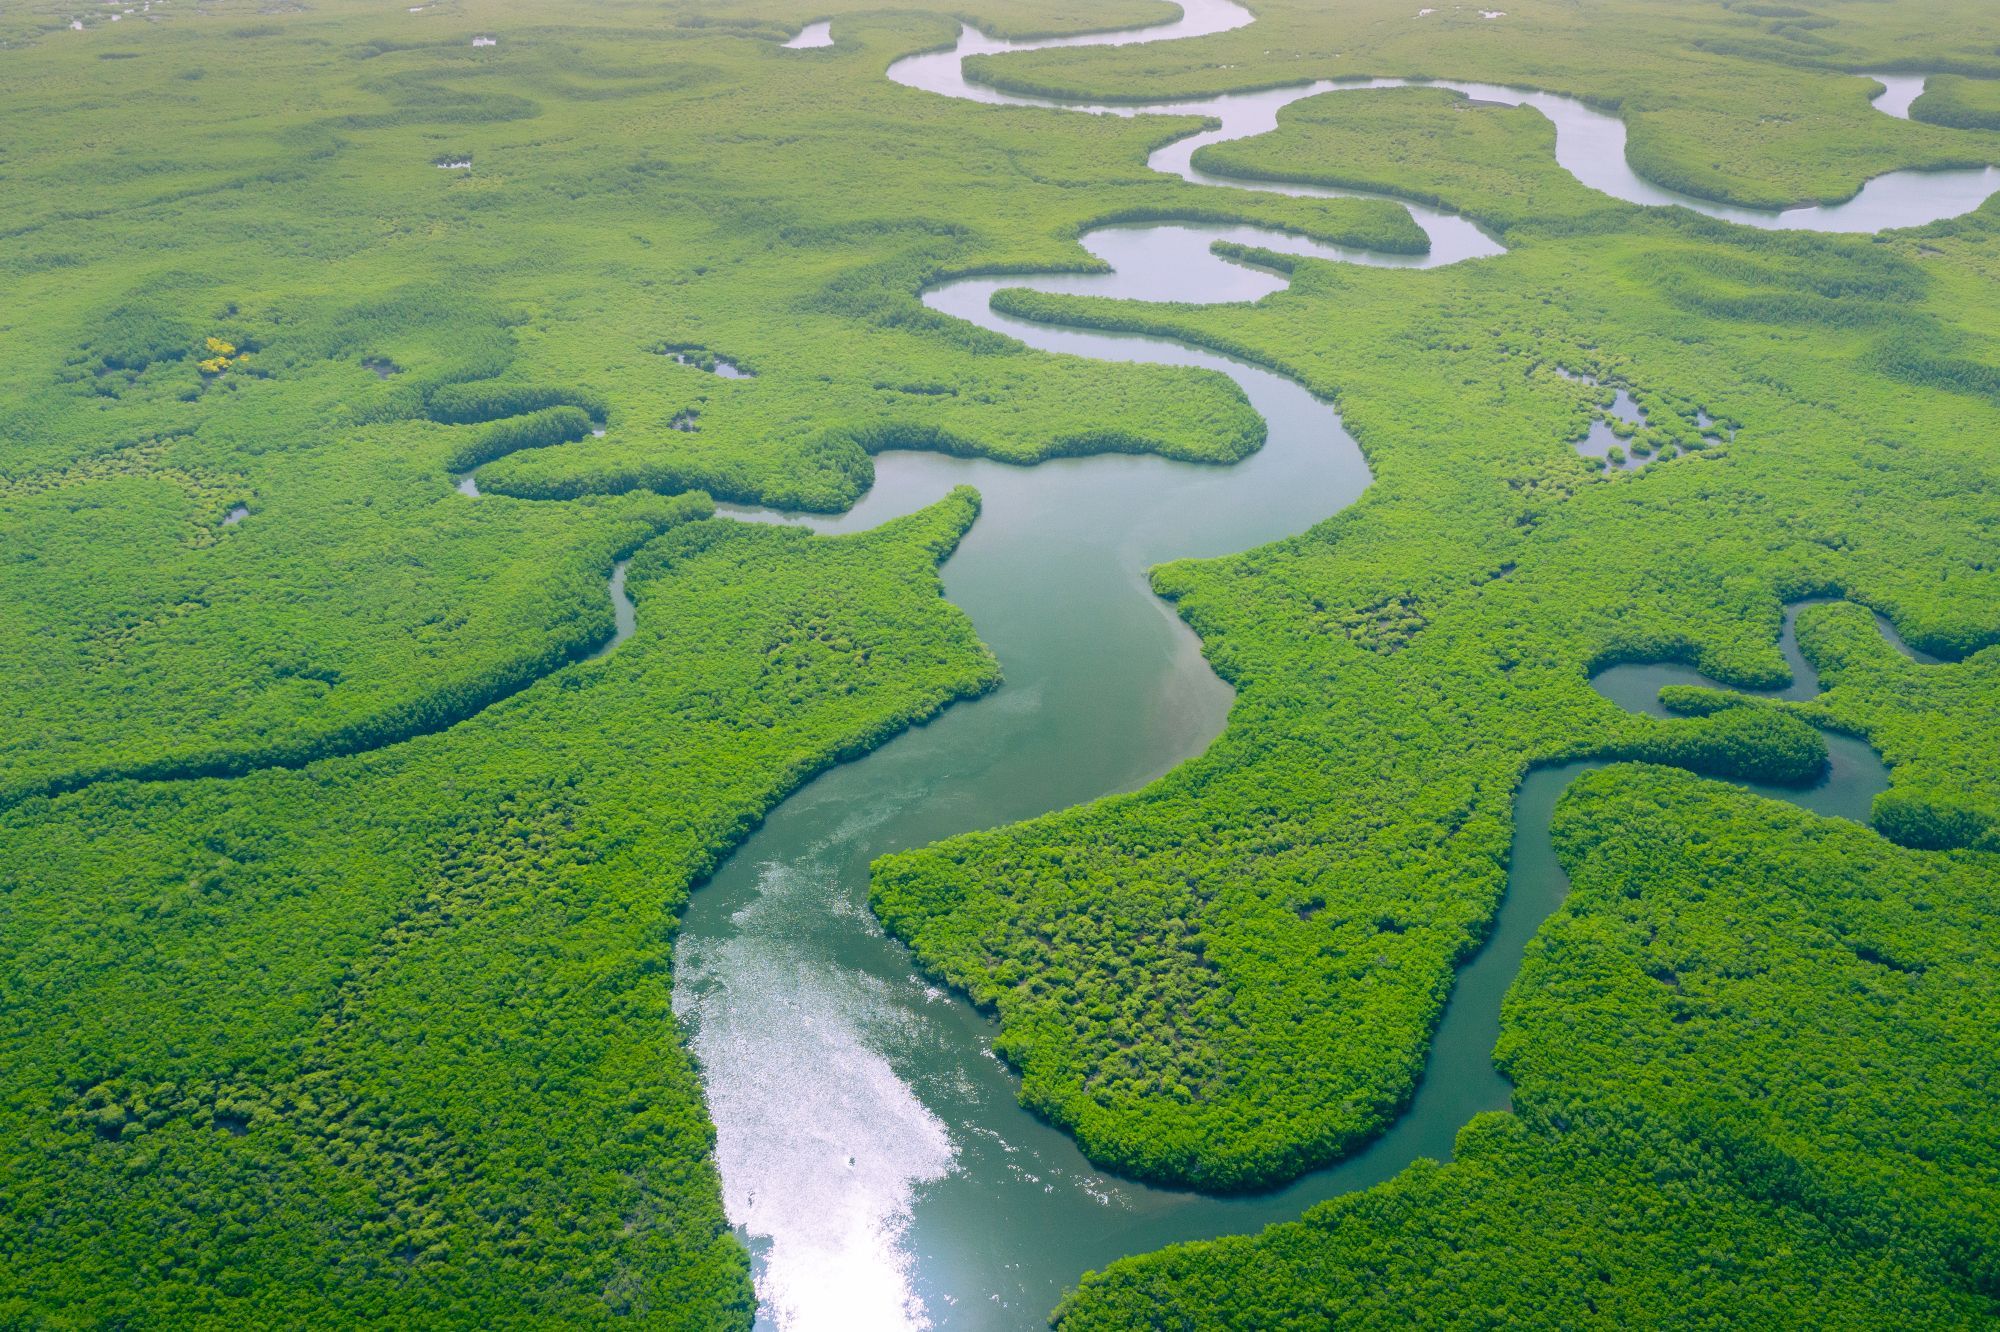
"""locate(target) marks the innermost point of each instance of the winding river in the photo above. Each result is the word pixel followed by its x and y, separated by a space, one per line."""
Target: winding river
pixel 871 1147
pixel 1590 144
pixel 872 1151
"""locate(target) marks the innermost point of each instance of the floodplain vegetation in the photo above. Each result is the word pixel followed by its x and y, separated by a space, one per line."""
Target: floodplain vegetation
pixel 1714 1045
pixel 388 1039
pixel 338 887
pixel 1959 102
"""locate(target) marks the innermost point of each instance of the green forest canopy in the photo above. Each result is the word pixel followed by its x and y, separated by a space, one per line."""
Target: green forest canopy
pixel 335 902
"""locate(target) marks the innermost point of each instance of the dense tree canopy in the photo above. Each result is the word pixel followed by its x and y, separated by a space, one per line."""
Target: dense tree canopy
pixel 338 881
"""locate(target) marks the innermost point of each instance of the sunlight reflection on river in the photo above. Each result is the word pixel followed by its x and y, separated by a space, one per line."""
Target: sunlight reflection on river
pixel 829 1205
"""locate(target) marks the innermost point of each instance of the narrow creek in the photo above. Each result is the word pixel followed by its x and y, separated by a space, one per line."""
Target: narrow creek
pixel 1898 92
pixel 872 1150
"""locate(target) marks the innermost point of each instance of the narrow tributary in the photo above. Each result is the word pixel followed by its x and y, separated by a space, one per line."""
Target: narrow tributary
pixel 1898 92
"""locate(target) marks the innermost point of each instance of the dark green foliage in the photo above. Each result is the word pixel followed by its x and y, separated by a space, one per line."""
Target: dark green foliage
pixel 389 1039
pixel 1926 353
pixel 441 106
pixel 133 337
pixel 1751 744
pixel 1935 820
pixel 1790 280
pixel 1697 700
pixel 537 430
pixel 460 404
pixel 1750 1055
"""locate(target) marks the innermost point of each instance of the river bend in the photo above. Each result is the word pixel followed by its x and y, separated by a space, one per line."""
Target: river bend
pixel 1590 144
pixel 871 1147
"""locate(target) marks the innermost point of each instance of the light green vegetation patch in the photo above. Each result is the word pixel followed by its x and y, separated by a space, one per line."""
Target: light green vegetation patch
pixel 1749 1055
pixel 389 1038
pixel 1958 102
pixel 1492 163
pixel 357 598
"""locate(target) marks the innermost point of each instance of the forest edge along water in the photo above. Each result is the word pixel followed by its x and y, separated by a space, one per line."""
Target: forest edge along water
pixel 910 1187
pixel 872 1149
pixel 1590 144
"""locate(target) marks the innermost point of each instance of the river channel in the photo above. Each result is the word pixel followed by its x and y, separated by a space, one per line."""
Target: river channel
pixel 873 1154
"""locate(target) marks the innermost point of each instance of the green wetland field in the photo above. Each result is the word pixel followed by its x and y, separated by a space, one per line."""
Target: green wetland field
pixel 720 664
